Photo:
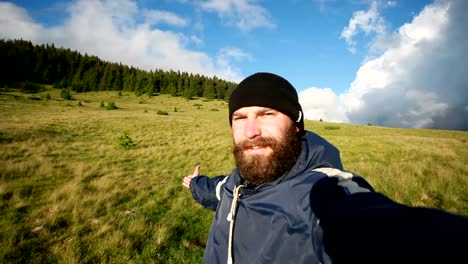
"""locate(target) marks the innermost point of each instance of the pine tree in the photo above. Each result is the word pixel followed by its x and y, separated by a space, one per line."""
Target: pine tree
pixel 117 80
pixel 104 83
pixel 209 89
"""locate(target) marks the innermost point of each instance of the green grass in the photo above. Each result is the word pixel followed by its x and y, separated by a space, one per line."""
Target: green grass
pixel 69 195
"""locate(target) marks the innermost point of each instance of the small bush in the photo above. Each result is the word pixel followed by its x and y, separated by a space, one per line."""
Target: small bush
pixel 30 87
pixel 5 138
pixel 111 106
pixel 79 103
pixel 162 112
pixel 102 104
pixel 124 141
pixel 175 109
pixel 77 87
pixel 65 94
pixel 47 96
pixel 369 124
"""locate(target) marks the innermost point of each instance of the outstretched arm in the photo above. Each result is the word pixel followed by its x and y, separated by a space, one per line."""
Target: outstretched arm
pixel 203 188
pixel 368 227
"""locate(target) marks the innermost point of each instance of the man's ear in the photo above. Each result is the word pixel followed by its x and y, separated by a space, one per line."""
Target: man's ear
pixel 297 130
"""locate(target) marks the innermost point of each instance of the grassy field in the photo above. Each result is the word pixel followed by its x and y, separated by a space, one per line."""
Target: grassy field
pixel 70 193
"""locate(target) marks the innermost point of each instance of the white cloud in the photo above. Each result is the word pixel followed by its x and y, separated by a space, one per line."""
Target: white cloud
pixel 196 40
pixel 419 80
pixel 368 21
pixel 157 16
pixel 228 54
pixel 111 31
pixel 234 53
pixel 321 103
pixel 240 13
pixel 15 23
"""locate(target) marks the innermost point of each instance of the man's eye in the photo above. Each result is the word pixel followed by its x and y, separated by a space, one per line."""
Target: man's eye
pixel 238 118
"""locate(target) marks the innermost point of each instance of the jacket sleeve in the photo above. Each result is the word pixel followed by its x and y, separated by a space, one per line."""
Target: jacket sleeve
pixel 368 227
pixel 203 190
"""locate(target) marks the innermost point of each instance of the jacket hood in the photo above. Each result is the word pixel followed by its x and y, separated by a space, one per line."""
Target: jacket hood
pixel 316 152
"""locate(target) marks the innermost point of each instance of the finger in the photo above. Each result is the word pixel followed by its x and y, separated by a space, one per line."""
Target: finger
pixel 197 171
pixel 187 181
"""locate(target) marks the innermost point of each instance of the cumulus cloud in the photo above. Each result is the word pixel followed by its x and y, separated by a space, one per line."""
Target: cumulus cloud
pixel 368 21
pixel 16 23
pixel 240 13
pixel 113 31
pixel 419 80
pixel 321 103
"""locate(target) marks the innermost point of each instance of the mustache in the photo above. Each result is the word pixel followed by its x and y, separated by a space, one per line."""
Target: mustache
pixel 256 142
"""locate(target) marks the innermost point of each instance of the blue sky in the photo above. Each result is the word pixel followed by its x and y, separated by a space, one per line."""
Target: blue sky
pixel 354 61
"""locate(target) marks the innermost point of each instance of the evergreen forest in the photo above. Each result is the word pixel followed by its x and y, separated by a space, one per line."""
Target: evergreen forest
pixel 25 63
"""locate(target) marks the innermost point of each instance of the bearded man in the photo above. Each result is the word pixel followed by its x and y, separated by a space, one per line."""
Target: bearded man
pixel 289 200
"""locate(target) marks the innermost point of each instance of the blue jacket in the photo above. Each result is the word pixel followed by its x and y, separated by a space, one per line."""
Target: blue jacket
pixel 318 213
pixel 271 223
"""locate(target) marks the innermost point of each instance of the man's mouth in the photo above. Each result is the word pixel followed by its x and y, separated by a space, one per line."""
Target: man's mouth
pixel 256 149
pixel 257 146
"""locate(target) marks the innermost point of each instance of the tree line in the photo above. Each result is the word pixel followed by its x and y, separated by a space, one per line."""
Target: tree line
pixel 66 69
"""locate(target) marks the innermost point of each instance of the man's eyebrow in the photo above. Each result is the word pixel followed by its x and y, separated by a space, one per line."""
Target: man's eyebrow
pixel 266 109
pixel 237 114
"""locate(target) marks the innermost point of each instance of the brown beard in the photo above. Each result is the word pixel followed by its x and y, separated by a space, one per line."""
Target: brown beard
pixel 259 169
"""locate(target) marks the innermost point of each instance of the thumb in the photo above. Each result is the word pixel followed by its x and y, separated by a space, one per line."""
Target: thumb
pixel 197 171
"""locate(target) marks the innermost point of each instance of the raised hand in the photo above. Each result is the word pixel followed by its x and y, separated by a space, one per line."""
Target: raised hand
pixel 188 179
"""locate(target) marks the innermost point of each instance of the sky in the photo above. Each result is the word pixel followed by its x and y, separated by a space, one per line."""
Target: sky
pixel 398 63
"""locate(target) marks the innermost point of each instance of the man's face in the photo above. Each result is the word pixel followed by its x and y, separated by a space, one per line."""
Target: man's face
pixel 265 143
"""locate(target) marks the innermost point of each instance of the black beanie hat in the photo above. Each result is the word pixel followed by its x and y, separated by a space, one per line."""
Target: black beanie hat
pixel 267 90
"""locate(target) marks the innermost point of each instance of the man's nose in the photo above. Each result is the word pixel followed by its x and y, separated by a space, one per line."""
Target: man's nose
pixel 252 128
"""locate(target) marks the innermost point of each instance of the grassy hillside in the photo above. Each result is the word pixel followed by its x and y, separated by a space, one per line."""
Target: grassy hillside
pixel 71 192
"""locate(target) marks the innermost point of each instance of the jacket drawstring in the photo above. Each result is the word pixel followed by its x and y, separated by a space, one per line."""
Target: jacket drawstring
pixel 231 217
